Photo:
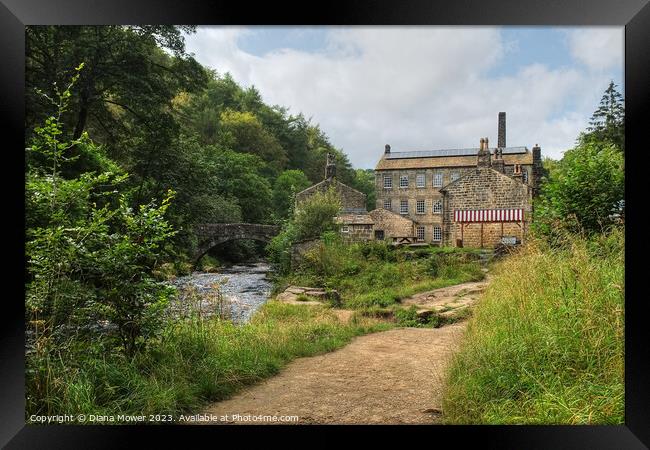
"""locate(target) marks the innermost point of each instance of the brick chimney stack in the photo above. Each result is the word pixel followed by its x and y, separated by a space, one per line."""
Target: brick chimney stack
pixel 501 142
pixel 330 167
pixel 497 163
pixel 387 149
pixel 483 155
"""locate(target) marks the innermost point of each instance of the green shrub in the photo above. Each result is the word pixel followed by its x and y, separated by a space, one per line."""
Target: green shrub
pixel 381 297
pixel 377 250
pixel 315 215
pixel 91 253
pixel 584 193
pixel 407 317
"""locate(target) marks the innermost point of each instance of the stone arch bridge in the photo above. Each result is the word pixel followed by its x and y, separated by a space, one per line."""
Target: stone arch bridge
pixel 213 234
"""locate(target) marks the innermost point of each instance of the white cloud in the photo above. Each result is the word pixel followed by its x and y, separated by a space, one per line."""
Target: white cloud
pixel 411 87
pixel 597 48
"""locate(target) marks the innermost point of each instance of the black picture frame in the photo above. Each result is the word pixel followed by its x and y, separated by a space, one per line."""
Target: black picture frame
pixel 633 14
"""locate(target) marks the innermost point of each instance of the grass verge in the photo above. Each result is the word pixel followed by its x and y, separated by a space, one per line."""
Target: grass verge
pixel 545 343
pixel 192 363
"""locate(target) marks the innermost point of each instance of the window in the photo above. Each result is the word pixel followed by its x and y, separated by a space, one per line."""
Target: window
pixel 455 176
pixel 420 180
pixel 437 206
pixel 388 182
pixel 403 206
pixel 419 232
pixel 404 181
pixel 345 229
pixel 437 179
pixel 437 234
pixel 387 204
pixel 419 206
pixel 524 174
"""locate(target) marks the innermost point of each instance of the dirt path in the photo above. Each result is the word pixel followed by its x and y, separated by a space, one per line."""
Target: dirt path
pixel 394 376
pixel 449 299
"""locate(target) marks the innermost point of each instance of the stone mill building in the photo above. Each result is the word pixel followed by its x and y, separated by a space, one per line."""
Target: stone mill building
pixel 472 197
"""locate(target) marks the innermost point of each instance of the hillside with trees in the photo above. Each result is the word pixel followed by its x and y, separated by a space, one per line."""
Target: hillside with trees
pixel 152 111
pixel 130 143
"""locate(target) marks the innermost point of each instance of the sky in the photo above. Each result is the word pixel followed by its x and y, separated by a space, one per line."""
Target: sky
pixel 424 87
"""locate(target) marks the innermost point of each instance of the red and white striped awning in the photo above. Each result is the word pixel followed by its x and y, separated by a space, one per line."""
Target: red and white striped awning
pixel 488 215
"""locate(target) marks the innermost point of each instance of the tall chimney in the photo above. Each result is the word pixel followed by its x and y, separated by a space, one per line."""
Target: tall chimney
pixel 537 169
pixel 387 149
pixel 502 130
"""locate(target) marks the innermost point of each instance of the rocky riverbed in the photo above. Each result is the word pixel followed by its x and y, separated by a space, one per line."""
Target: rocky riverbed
pixel 235 292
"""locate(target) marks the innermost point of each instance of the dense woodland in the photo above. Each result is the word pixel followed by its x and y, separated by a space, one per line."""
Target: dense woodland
pixel 130 143
pixel 151 111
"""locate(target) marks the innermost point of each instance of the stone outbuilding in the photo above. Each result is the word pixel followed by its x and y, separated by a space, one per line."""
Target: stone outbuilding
pixel 391 227
pixel 355 223
pixel 352 201
pixel 356 227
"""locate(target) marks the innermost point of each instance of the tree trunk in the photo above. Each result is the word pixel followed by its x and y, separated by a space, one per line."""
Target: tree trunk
pixel 82 118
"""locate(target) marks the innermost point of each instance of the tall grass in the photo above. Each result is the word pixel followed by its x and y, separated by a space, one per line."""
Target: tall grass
pixel 194 362
pixel 545 344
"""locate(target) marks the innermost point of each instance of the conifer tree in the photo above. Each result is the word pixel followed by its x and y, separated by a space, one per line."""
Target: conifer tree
pixel 608 121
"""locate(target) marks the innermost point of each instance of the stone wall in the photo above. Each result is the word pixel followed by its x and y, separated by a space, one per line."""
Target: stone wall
pixel 299 249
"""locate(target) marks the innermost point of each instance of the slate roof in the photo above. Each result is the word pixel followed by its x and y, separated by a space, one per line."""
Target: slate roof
pixel 448 158
pixel 354 219
pixel 450 152
pixel 327 182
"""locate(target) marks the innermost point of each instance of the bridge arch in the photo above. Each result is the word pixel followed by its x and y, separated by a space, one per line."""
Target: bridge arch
pixel 213 234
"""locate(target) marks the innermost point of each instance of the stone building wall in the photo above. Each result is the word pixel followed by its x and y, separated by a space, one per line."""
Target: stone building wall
pixel 484 188
pixel 428 193
pixel 351 199
pixel 393 225
pixel 357 232
pixel 492 233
